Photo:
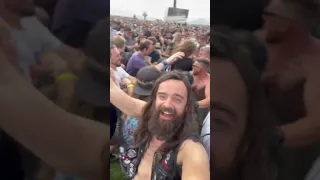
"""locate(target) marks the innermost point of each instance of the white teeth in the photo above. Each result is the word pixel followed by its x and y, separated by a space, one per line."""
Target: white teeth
pixel 166 112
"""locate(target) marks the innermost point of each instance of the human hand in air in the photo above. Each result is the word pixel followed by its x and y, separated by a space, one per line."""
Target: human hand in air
pixel 175 57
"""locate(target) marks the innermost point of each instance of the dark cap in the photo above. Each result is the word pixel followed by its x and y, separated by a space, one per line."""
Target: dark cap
pixel 146 78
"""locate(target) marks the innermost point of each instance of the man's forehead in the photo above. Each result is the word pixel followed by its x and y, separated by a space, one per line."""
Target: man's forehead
pixel 229 87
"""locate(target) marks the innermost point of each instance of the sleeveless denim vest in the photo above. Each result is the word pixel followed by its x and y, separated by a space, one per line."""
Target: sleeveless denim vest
pixel 164 166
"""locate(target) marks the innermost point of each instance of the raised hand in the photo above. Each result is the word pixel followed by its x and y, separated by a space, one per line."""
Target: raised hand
pixel 175 57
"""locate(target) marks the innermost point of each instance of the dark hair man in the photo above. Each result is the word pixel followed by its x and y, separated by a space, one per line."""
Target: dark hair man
pixel 164 137
pixel 154 55
pixel 240 148
pixel 146 78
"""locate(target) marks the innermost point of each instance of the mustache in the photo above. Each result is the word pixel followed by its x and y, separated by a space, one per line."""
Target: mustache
pixel 169 110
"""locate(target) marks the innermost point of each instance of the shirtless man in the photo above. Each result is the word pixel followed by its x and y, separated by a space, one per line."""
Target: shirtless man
pixel 166 114
pixel 292 79
pixel 201 81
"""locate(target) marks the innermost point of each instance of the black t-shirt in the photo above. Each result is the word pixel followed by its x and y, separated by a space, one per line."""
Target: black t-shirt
pixel 184 64
pixel 155 56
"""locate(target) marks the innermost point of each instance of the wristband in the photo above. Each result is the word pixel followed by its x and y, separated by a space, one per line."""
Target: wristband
pixel 130 86
pixel 67 76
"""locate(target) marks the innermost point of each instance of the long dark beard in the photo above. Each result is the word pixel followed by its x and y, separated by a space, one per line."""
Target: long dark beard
pixel 162 129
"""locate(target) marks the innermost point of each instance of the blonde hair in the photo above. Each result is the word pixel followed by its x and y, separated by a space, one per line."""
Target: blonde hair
pixel 119 41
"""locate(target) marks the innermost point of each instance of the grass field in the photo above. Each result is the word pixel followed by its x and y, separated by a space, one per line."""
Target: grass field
pixel 115 172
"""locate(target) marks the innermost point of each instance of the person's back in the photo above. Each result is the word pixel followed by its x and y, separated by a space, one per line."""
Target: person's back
pixel 136 62
pixel 184 64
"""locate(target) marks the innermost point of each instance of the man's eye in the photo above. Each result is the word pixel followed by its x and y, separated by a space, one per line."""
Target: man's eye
pixel 162 97
pixel 177 100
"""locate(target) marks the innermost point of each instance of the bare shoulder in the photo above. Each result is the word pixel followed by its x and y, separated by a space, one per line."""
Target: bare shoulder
pixel 194 161
pixel 192 150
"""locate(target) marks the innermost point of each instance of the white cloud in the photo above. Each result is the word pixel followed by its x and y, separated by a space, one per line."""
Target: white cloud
pixel 157 8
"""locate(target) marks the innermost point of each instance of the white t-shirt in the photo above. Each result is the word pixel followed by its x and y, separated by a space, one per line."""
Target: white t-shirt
pixel 205 133
pixel 32 42
pixel 120 74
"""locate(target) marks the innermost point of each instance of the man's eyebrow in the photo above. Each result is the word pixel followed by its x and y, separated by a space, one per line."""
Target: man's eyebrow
pixel 175 94
pixel 222 106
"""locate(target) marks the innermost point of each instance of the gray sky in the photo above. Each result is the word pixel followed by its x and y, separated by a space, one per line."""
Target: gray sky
pixel 157 8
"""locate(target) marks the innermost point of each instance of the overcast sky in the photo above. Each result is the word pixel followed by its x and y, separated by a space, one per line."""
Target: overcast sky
pixel 157 8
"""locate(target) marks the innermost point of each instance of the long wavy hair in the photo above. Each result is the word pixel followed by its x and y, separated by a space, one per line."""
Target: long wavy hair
pixel 256 154
pixel 188 47
pixel 189 125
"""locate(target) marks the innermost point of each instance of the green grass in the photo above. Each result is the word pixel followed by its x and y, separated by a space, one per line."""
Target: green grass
pixel 116 172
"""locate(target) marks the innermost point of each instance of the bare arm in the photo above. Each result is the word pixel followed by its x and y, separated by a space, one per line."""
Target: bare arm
pixel 195 162
pixel 132 107
pixel 66 142
pixel 170 60
pixel 306 131
pixel 74 57
pixel 205 103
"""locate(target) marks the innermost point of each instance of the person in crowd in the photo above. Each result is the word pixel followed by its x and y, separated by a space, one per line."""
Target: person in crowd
pixel 165 116
pixel 120 43
pixel 177 39
pixel 203 41
pixel 146 78
pixel 189 48
pixel 244 141
pixel 292 84
pixel 154 55
pixel 140 38
pixel 113 29
pixel 146 32
pixel 122 77
pixel 137 60
pixel 128 35
pixel 201 86
pixel 204 52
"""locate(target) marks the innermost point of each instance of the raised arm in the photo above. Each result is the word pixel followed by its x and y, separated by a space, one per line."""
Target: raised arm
pixel 128 105
pixel 205 103
pixel 66 142
pixel 195 162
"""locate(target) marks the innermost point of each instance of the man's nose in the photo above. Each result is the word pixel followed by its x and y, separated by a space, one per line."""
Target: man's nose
pixel 168 103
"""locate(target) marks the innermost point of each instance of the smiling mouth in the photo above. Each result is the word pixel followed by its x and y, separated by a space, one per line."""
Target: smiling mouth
pixel 165 115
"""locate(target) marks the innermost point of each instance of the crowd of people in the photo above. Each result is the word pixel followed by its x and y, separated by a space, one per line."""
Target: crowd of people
pixel 160 89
